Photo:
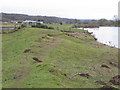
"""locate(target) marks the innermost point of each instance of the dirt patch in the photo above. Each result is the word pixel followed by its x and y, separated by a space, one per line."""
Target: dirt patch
pixel 75 33
pixel 112 63
pixel 106 87
pixel 100 82
pixel 84 74
pixel 57 72
pixel 81 74
pixel 27 50
pixel 36 59
pixel 52 43
pixel 68 31
pixel 104 66
pixel 115 80
pixel 16 76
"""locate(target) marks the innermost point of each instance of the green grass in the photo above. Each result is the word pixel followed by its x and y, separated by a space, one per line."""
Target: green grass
pixel 64 27
pixel 12 25
pixel 61 54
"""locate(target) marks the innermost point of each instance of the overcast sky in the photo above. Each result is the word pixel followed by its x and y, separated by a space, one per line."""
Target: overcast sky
pixel 77 9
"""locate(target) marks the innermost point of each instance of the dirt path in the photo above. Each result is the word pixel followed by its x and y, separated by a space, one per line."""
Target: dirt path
pixel 49 45
pixel 52 43
pixel 25 66
pixel 23 72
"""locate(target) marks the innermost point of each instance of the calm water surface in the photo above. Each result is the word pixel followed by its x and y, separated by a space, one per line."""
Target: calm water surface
pixel 106 35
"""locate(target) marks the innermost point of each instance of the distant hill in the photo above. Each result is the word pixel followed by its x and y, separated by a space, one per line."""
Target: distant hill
pixel 6 17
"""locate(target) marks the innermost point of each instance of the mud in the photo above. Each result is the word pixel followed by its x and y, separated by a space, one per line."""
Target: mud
pixel 107 87
pixel 100 82
pixel 112 63
pixel 36 59
pixel 81 74
pixel 27 50
pixel 85 74
pixel 104 66
pixel 115 80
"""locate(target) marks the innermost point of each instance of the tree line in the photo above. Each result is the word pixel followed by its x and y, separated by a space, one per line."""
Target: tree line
pixel 6 17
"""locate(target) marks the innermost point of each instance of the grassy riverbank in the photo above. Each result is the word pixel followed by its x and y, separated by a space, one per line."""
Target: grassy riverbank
pixel 63 54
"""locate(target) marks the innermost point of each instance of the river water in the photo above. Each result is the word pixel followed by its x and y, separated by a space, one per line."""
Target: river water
pixel 106 35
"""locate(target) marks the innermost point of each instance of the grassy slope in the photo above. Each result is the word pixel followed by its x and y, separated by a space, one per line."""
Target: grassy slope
pixel 61 54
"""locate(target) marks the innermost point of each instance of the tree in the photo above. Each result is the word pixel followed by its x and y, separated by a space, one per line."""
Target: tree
pixel 103 22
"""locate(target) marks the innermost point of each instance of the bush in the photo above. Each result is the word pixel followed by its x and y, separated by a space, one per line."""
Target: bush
pixel 22 26
pixel 44 26
pixel 50 28
pixel 38 25
pixel 33 25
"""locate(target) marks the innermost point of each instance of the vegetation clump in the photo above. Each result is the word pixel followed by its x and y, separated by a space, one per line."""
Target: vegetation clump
pixel 39 25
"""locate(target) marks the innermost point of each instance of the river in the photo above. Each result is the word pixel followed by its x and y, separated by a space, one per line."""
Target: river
pixel 106 35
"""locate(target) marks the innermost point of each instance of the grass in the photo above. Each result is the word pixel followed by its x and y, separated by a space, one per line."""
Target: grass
pixel 12 25
pixel 61 55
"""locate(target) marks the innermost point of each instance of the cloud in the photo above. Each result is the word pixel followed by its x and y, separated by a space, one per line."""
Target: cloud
pixel 63 8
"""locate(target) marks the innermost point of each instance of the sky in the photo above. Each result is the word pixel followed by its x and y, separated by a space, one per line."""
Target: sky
pixel 76 9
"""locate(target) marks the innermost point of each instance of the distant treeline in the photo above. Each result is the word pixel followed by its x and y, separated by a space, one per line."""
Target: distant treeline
pixel 47 19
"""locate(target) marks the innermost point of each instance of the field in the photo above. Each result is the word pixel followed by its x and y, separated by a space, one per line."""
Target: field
pixel 11 25
pixel 46 58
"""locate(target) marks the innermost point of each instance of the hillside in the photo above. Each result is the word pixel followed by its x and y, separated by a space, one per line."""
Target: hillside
pixel 44 58
pixel 7 17
pixel 47 19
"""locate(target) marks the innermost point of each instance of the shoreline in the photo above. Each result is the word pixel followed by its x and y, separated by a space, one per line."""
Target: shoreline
pixel 113 46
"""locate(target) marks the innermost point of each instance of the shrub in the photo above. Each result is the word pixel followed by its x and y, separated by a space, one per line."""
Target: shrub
pixel 39 25
pixel 22 26
pixel 50 28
